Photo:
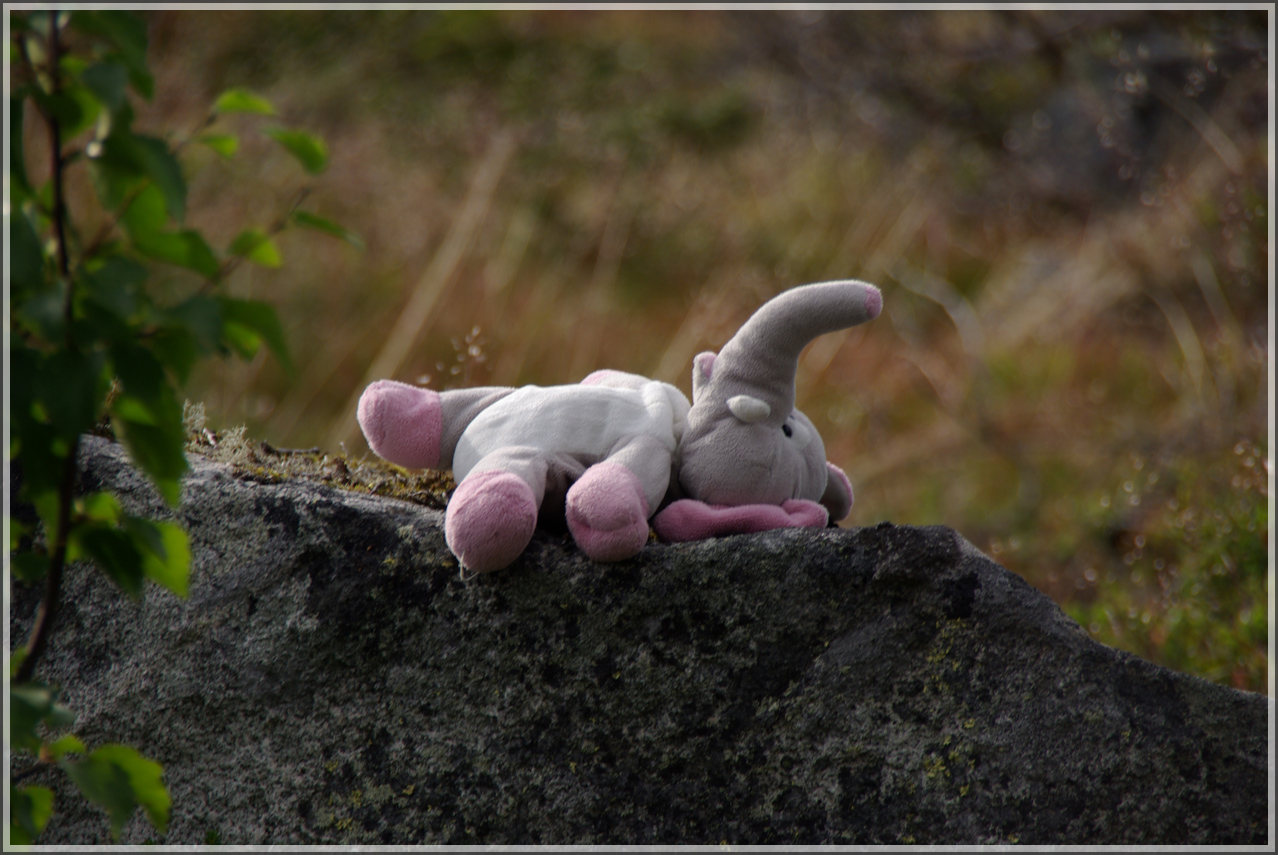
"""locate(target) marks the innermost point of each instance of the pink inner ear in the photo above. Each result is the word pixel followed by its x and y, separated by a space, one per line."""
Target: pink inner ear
pixel 705 364
pixel 597 377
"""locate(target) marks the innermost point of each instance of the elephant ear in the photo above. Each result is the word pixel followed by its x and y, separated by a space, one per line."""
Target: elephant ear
pixel 838 493
pixel 702 368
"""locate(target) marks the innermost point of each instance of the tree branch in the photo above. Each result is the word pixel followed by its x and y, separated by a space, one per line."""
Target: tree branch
pixel 39 639
pixel 48 611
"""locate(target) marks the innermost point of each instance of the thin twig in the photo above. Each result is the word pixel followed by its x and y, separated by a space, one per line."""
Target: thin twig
pixel 27 773
pixel 55 142
pixel 40 632
pixel 48 612
pixel 281 222
pixel 270 449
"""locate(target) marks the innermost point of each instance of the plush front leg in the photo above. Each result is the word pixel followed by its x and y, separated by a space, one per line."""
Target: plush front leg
pixel 608 512
pixel 490 520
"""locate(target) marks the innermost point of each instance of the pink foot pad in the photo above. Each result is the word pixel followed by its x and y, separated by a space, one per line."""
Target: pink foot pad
pixel 689 519
pixel 402 423
pixel 608 513
pixel 490 520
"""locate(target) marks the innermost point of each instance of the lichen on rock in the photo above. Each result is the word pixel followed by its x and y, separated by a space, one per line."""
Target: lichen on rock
pixel 333 679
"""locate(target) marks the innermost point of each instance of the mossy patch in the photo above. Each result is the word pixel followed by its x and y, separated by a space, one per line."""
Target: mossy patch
pixel 262 462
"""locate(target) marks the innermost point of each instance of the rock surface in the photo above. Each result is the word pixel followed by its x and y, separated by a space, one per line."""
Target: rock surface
pixel 332 679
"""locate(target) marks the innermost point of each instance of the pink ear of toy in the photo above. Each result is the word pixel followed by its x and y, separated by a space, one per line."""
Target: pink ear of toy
pixel 704 363
pixel 689 519
pixel 836 474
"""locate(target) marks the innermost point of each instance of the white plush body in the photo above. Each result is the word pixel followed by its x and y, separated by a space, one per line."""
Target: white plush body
pixel 610 453
pixel 583 422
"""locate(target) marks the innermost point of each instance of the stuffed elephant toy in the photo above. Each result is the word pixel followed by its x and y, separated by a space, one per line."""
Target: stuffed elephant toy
pixel 608 454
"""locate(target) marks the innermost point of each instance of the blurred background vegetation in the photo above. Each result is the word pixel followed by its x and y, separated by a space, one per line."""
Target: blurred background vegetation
pixel 1066 211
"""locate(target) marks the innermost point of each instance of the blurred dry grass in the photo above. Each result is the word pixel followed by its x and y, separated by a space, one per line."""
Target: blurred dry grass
pixel 1067 212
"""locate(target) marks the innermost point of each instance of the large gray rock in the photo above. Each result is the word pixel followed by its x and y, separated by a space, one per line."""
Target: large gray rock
pixel 332 679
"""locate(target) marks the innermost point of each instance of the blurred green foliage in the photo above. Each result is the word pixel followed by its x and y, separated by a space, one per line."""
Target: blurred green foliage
pixel 94 347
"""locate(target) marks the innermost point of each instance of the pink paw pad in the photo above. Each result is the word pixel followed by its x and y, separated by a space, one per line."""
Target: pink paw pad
pixel 608 513
pixel 490 520
pixel 402 423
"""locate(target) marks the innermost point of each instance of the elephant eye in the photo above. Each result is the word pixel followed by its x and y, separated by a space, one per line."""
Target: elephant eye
pixel 786 430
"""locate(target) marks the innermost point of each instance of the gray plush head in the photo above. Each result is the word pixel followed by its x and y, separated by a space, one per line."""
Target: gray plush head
pixel 744 442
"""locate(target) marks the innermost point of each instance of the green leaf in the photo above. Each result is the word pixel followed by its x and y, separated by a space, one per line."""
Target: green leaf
pixel 146 214
pixel 41 461
pixel 26 258
pixel 90 108
pixel 108 81
pixel 142 380
pixel 20 24
pixel 29 566
pixel 114 178
pixel 309 150
pixel 116 286
pixel 123 157
pixel 17 150
pixel 187 331
pixel 199 317
pixel 177 349
pixel 117 778
pixel 185 249
pixel 146 777
pixel 46 504
pixel 155 450
pixel 162 167
pixel 43 312
pixel 17 530
pixel 64 109
pixel 69 744
pixel 311 221
pixel 107 786
pixel 245 322
pixel 166 553
pixel 113 551
pixel 99 508
pixel 243 101
pixel 72 388
pixel 127 33
pixel 31 808
pixel 257 246
pixel 224 144
pixel 30 704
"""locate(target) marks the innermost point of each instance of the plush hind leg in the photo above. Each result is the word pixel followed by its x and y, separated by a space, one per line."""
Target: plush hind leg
pixel 493 512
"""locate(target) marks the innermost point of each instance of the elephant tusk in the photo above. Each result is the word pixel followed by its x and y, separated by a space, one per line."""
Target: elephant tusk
pixel 749 410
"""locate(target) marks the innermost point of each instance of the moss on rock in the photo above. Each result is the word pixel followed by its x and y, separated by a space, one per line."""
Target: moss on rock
pixel 333 679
